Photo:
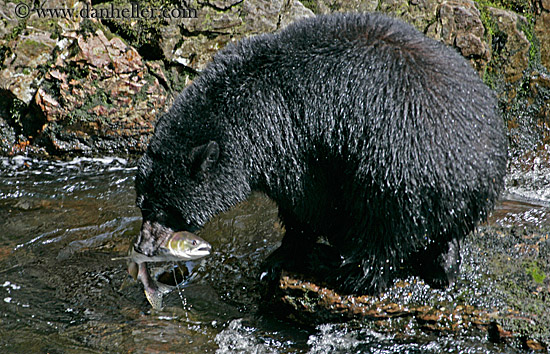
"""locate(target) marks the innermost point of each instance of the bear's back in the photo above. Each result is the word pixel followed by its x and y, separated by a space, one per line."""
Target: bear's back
pixel 347 66
pixel 405 116
pixel 330 39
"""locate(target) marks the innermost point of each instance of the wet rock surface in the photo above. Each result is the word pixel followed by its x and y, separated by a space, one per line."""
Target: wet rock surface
pixel 503 292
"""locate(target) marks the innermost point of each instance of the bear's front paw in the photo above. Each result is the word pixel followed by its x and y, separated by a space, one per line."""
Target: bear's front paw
pixel 441 270
pixel 271 268
pixel 317 260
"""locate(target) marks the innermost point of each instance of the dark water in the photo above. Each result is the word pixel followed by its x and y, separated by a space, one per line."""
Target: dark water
pixel 61 223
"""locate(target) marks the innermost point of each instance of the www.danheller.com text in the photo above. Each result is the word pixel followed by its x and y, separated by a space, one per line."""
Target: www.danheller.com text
pixel 133 10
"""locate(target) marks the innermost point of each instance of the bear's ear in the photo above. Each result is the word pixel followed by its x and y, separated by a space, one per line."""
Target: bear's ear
pixel 204 157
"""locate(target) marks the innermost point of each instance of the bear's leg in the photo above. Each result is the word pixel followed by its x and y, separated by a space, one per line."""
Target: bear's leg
pixel 299 252
pixel 438 265
pixel 362 277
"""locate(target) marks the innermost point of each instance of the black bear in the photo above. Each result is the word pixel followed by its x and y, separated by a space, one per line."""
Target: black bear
pixel 382 148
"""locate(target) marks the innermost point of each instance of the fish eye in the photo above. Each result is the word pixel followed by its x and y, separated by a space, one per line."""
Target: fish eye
pixel 194 242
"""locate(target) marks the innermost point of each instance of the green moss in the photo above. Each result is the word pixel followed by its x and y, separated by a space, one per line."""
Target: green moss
pixel 87 26
pixel 487 20
pixel 16 112
pixel 519 6
pixel 50 25
pixel 523 7
pixel 528 28
pixel 16 30
pixel 535 272
pixel 76 71
pixel 483 4
pixel 5 50
pixel 490 75
pixel 312 5
pixel 33 45
pixel 496 38
pixel 142 95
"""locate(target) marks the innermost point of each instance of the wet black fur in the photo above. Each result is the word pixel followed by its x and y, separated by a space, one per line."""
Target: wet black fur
pixel 364 131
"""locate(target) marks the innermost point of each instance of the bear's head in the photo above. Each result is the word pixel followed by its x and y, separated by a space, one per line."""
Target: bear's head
pixel 173 188
pixel 179 189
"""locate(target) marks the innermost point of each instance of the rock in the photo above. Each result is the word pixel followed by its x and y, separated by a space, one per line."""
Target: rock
pixel 328 6
pixel 501 292
pixel 215 19
pixel 456 23
pixel 196 51
pixel 461 27
pixel 7 131
pixel 510 43
pixel 419 13
pixel 222 5
pixel 237 20
pixel 301 300
pixel 94 93
pixel 542 31
pixel 170 36
pixel 261 17
pixel 292 11
pixel 104 54
pixel 191 42
pixel 19 74
pixel 106 99
pixel 9 21
pixel 73 73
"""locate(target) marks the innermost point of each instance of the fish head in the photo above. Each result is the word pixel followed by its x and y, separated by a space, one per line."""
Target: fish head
pixel 186 246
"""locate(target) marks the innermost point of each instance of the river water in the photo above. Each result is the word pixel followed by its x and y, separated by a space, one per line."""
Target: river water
pixel 61 225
